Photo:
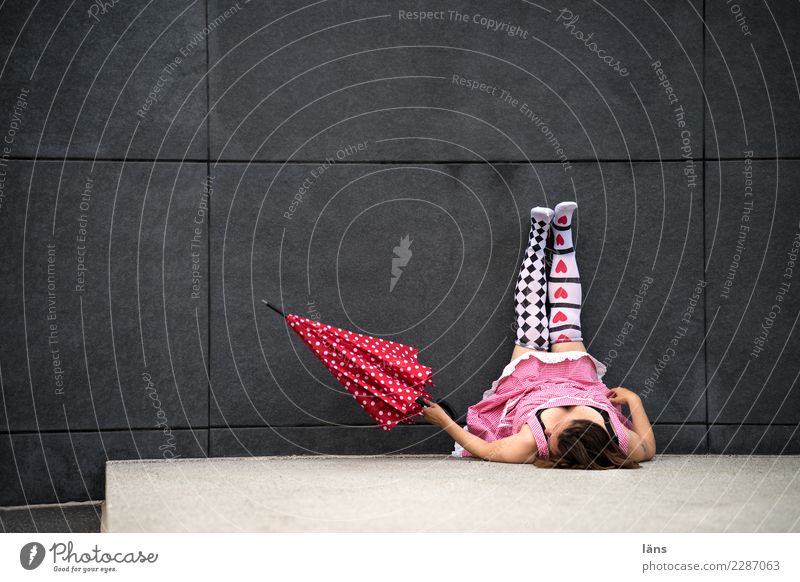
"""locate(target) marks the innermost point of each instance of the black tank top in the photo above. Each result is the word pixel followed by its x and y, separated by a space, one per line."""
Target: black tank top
pixel 603 413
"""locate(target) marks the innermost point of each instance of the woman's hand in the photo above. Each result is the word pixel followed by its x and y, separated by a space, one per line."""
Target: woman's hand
pixel 619 396
pixel 435 414
pixel 642 447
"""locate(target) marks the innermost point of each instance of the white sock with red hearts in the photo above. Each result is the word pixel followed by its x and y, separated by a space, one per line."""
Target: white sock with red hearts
pixel 564 291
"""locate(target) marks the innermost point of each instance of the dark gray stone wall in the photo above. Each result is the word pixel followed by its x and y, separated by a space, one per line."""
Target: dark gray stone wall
pixel 164 166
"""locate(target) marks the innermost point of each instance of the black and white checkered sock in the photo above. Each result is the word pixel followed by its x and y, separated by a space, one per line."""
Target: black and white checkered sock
pixel 531 292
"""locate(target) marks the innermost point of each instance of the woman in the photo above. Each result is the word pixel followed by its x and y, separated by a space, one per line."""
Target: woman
pixel 550 408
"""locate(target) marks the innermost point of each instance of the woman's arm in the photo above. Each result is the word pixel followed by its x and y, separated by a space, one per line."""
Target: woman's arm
pixel 517 448
pixel 641 441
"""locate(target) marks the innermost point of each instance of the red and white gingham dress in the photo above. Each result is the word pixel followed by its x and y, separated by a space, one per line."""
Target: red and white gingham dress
pixel 535 381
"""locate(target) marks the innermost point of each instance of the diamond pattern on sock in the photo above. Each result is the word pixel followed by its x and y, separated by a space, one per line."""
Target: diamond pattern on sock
pixel 531 291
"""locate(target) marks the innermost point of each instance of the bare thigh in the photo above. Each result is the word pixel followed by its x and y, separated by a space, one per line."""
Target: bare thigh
pixel 568 347
pixel 519 351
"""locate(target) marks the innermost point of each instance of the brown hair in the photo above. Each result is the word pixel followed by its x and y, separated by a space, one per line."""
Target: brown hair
pixel 586 445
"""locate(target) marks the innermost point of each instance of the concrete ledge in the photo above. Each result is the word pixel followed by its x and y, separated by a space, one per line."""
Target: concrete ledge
pixel 439 493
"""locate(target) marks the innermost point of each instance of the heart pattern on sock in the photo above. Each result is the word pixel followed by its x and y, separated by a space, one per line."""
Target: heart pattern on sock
pixel 564 288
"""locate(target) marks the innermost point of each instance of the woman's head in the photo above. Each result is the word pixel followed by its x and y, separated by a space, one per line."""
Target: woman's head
pixel 584 444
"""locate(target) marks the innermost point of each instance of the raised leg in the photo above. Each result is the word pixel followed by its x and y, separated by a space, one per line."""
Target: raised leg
pixel 564 285
pixel 530 297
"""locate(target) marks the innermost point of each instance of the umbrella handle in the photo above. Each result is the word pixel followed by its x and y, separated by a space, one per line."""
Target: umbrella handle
pixel 445 406
pixel 272 307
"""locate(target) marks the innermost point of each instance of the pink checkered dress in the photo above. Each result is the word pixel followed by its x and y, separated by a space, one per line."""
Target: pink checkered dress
pixel 536 381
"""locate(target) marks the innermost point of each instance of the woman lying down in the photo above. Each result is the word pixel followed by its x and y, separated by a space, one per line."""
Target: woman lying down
pixel 550 408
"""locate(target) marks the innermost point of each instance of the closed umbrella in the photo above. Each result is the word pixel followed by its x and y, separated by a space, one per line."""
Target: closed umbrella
pixel 383 376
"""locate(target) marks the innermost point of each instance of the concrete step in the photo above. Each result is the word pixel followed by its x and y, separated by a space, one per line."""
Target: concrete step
pixel 445 494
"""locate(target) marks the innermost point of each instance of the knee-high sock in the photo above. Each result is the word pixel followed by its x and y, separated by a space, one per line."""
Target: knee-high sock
pixel 530 296
pixel 564 291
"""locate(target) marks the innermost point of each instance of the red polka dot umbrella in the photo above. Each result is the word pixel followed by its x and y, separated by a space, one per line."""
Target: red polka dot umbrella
pixel 384 377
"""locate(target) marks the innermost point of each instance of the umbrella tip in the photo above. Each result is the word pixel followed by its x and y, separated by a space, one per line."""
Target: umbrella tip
pixel 272 307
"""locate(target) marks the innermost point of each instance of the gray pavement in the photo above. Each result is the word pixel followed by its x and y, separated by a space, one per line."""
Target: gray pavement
pixel 445 494
pixel 81 517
